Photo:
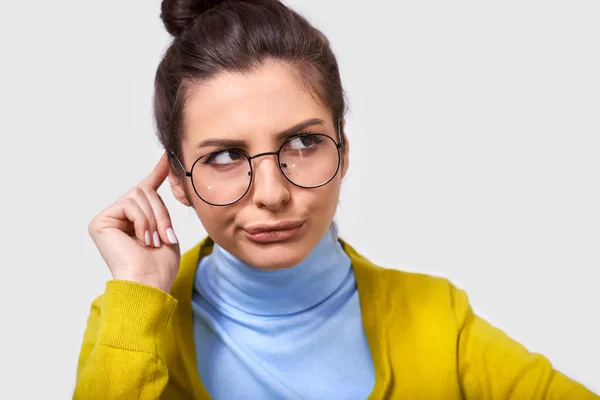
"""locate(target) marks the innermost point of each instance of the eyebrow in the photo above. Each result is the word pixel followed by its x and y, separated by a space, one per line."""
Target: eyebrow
pixel 280 136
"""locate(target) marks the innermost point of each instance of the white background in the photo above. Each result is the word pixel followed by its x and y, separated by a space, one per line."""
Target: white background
pixel 475 134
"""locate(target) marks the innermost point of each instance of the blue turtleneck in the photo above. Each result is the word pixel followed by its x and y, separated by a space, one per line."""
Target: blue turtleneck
pixel 294 333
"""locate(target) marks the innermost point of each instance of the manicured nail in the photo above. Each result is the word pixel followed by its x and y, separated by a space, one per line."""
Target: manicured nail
pixel 171 235
pixel 156 239
pixel 147 236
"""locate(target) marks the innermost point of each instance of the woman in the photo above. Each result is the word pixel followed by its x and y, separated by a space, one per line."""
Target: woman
pixel 272 305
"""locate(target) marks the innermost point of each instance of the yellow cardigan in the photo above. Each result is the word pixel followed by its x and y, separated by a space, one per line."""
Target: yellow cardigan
pixel 425 342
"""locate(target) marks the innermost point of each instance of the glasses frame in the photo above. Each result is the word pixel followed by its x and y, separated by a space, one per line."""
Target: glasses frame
pixel 339 145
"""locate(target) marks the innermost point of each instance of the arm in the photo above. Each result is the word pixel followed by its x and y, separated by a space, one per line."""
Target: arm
pixel 493 366
pixel 123 350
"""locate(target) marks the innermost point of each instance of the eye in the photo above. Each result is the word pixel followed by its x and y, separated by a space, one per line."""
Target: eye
pixel 305 141
pixel 224 157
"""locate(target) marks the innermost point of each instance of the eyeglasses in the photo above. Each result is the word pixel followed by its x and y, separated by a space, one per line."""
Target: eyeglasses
pixel 307 160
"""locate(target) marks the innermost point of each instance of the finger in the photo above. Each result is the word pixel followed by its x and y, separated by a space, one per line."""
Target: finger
pixel 129 210
pixel 139 195
pixel 158 174
pixel 163 219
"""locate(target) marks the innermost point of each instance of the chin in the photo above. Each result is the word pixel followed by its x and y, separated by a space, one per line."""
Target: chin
pixel 274 256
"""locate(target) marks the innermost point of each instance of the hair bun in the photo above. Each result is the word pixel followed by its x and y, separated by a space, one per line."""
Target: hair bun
pixel 179 15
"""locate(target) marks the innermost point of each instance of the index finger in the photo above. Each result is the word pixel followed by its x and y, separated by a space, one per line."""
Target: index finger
pixel 158 174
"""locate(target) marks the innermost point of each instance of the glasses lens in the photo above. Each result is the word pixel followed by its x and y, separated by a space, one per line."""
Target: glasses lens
pixel 309 160
pixel 222 177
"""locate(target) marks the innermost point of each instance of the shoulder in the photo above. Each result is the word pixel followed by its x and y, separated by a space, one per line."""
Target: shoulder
pixel 410 289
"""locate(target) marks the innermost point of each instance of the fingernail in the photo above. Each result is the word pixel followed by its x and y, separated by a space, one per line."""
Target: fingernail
pixel 171 235
pixel 156 239
pixel 147 236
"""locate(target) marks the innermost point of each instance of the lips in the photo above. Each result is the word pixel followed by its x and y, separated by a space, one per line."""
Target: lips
pixel 278 226
pixel 273 232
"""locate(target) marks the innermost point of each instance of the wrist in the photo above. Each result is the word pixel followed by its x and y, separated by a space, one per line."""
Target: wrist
pixel 135 317
pixel 147 280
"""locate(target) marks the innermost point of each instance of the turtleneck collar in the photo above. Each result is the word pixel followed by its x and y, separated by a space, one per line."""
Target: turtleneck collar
pixel 235 286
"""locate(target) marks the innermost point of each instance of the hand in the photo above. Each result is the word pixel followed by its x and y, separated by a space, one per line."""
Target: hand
pixel 134 235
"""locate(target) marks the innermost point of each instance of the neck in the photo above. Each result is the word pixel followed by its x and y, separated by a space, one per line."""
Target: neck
pixel 236 284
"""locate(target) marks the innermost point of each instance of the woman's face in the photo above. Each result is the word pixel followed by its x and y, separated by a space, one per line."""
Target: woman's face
pixel 253 109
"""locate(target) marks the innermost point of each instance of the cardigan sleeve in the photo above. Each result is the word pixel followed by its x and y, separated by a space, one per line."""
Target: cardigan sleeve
pixel 493 366
pixel 123 350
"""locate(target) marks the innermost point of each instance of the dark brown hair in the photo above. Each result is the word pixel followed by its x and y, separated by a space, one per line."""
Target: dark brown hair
pixel 211 36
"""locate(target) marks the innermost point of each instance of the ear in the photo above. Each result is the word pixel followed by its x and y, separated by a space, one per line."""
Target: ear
pixel 345 150
pixel 178 188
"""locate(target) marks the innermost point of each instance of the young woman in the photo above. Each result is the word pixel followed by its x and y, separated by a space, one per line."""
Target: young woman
pixel 272 305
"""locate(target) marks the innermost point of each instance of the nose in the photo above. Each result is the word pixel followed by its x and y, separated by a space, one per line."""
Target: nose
pixel 270 188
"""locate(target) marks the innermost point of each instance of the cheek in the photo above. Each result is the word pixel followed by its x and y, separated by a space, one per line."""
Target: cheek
pixel 214 219
pixel 320 201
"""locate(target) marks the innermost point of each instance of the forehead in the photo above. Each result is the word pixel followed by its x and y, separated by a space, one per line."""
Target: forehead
pixel 248 106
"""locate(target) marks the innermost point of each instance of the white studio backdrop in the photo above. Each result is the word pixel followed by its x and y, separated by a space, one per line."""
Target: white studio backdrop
pixel 475 142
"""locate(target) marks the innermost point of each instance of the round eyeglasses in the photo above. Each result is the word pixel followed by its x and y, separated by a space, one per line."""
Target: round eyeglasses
pixel 307 160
